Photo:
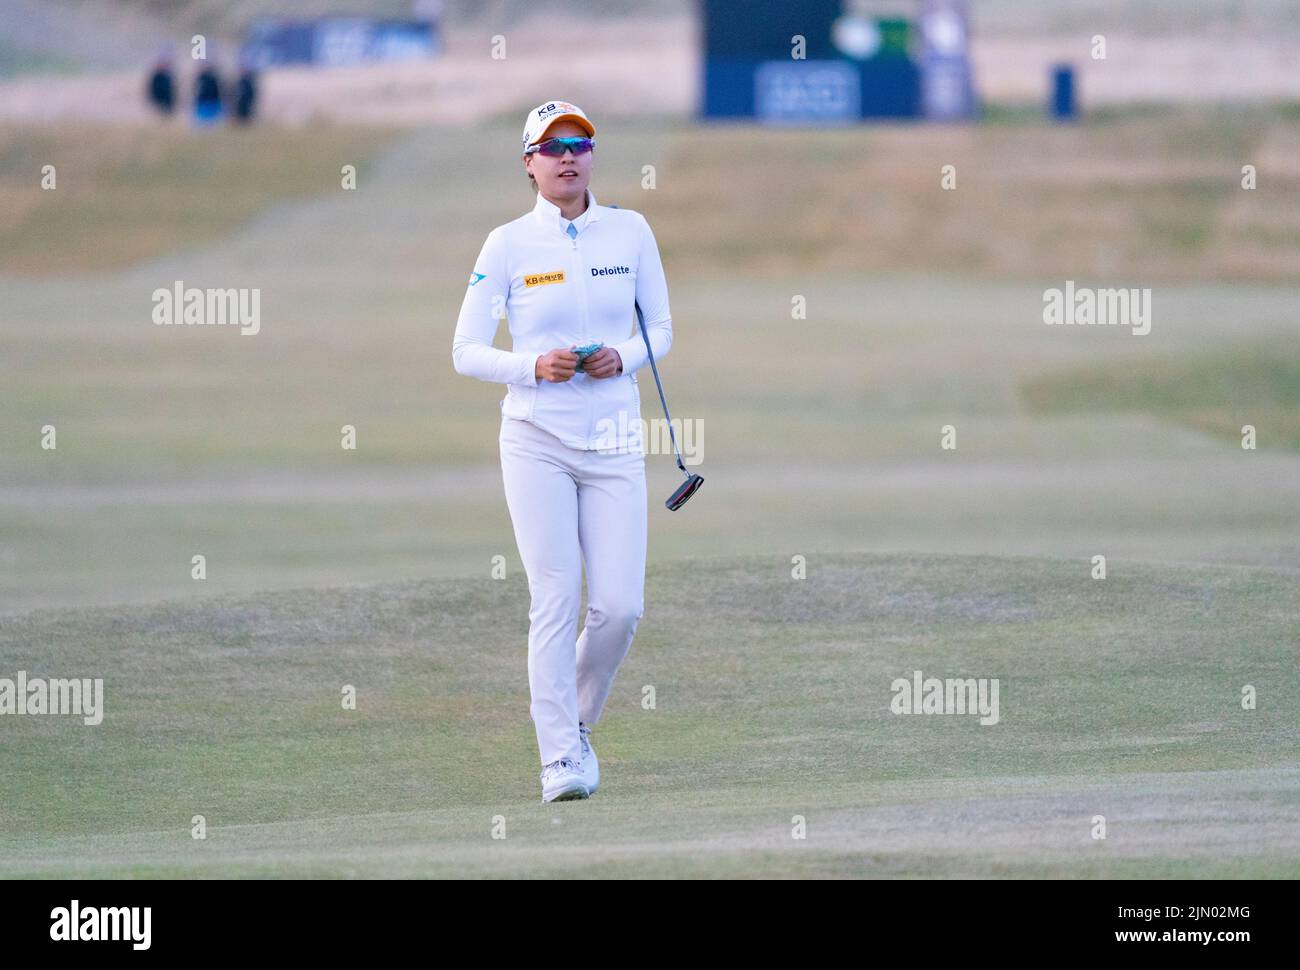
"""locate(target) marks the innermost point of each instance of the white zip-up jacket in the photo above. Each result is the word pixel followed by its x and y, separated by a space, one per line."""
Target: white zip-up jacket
pixel 559 291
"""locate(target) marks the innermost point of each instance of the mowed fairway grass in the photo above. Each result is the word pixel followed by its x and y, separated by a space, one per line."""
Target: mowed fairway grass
pixel 1119 698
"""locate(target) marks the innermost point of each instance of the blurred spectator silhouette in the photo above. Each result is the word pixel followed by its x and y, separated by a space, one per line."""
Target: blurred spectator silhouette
pixel 161 91
pixel 207 92
pixel 245 89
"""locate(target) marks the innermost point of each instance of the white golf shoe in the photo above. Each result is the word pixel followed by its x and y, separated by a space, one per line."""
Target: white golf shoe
pixel 562 781
pixel 590 766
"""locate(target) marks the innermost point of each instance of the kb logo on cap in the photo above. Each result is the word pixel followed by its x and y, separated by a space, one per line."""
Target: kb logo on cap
pixel 536 123
pixel 555 106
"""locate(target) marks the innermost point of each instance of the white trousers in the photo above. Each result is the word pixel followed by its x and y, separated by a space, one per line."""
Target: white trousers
pixel 571 508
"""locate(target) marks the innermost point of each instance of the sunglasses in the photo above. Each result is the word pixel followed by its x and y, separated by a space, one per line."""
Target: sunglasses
pixel 556 147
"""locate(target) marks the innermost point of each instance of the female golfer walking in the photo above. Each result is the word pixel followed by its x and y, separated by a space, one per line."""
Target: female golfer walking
pixel 568 275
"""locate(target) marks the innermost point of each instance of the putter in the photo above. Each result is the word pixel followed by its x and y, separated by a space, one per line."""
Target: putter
pixel 693 482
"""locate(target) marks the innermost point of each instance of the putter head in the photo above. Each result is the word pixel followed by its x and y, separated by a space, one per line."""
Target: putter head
pixel 684 491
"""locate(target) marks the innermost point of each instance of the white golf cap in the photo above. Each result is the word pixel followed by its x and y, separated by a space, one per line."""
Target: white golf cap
pixel 547 114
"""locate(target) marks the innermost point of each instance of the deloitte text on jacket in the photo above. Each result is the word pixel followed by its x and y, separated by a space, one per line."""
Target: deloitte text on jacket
pixel 560 291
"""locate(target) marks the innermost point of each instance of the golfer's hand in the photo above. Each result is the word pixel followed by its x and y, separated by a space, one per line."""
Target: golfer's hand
pixel 603 363
pixel 556 366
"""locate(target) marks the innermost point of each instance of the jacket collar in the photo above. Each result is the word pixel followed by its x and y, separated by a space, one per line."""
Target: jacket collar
pixel 547 213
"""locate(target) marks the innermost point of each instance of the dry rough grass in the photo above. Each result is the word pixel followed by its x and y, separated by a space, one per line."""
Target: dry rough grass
pixel 1144 197
pixel 122 198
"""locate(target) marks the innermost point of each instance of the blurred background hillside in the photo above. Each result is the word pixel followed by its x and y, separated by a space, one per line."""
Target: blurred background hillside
pixel 924 305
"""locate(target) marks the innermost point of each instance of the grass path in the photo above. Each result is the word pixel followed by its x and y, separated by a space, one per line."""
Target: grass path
pixel 1118 697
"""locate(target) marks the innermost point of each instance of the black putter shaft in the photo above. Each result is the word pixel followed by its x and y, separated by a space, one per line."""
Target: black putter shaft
pixel 640 319
pixel 693 482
